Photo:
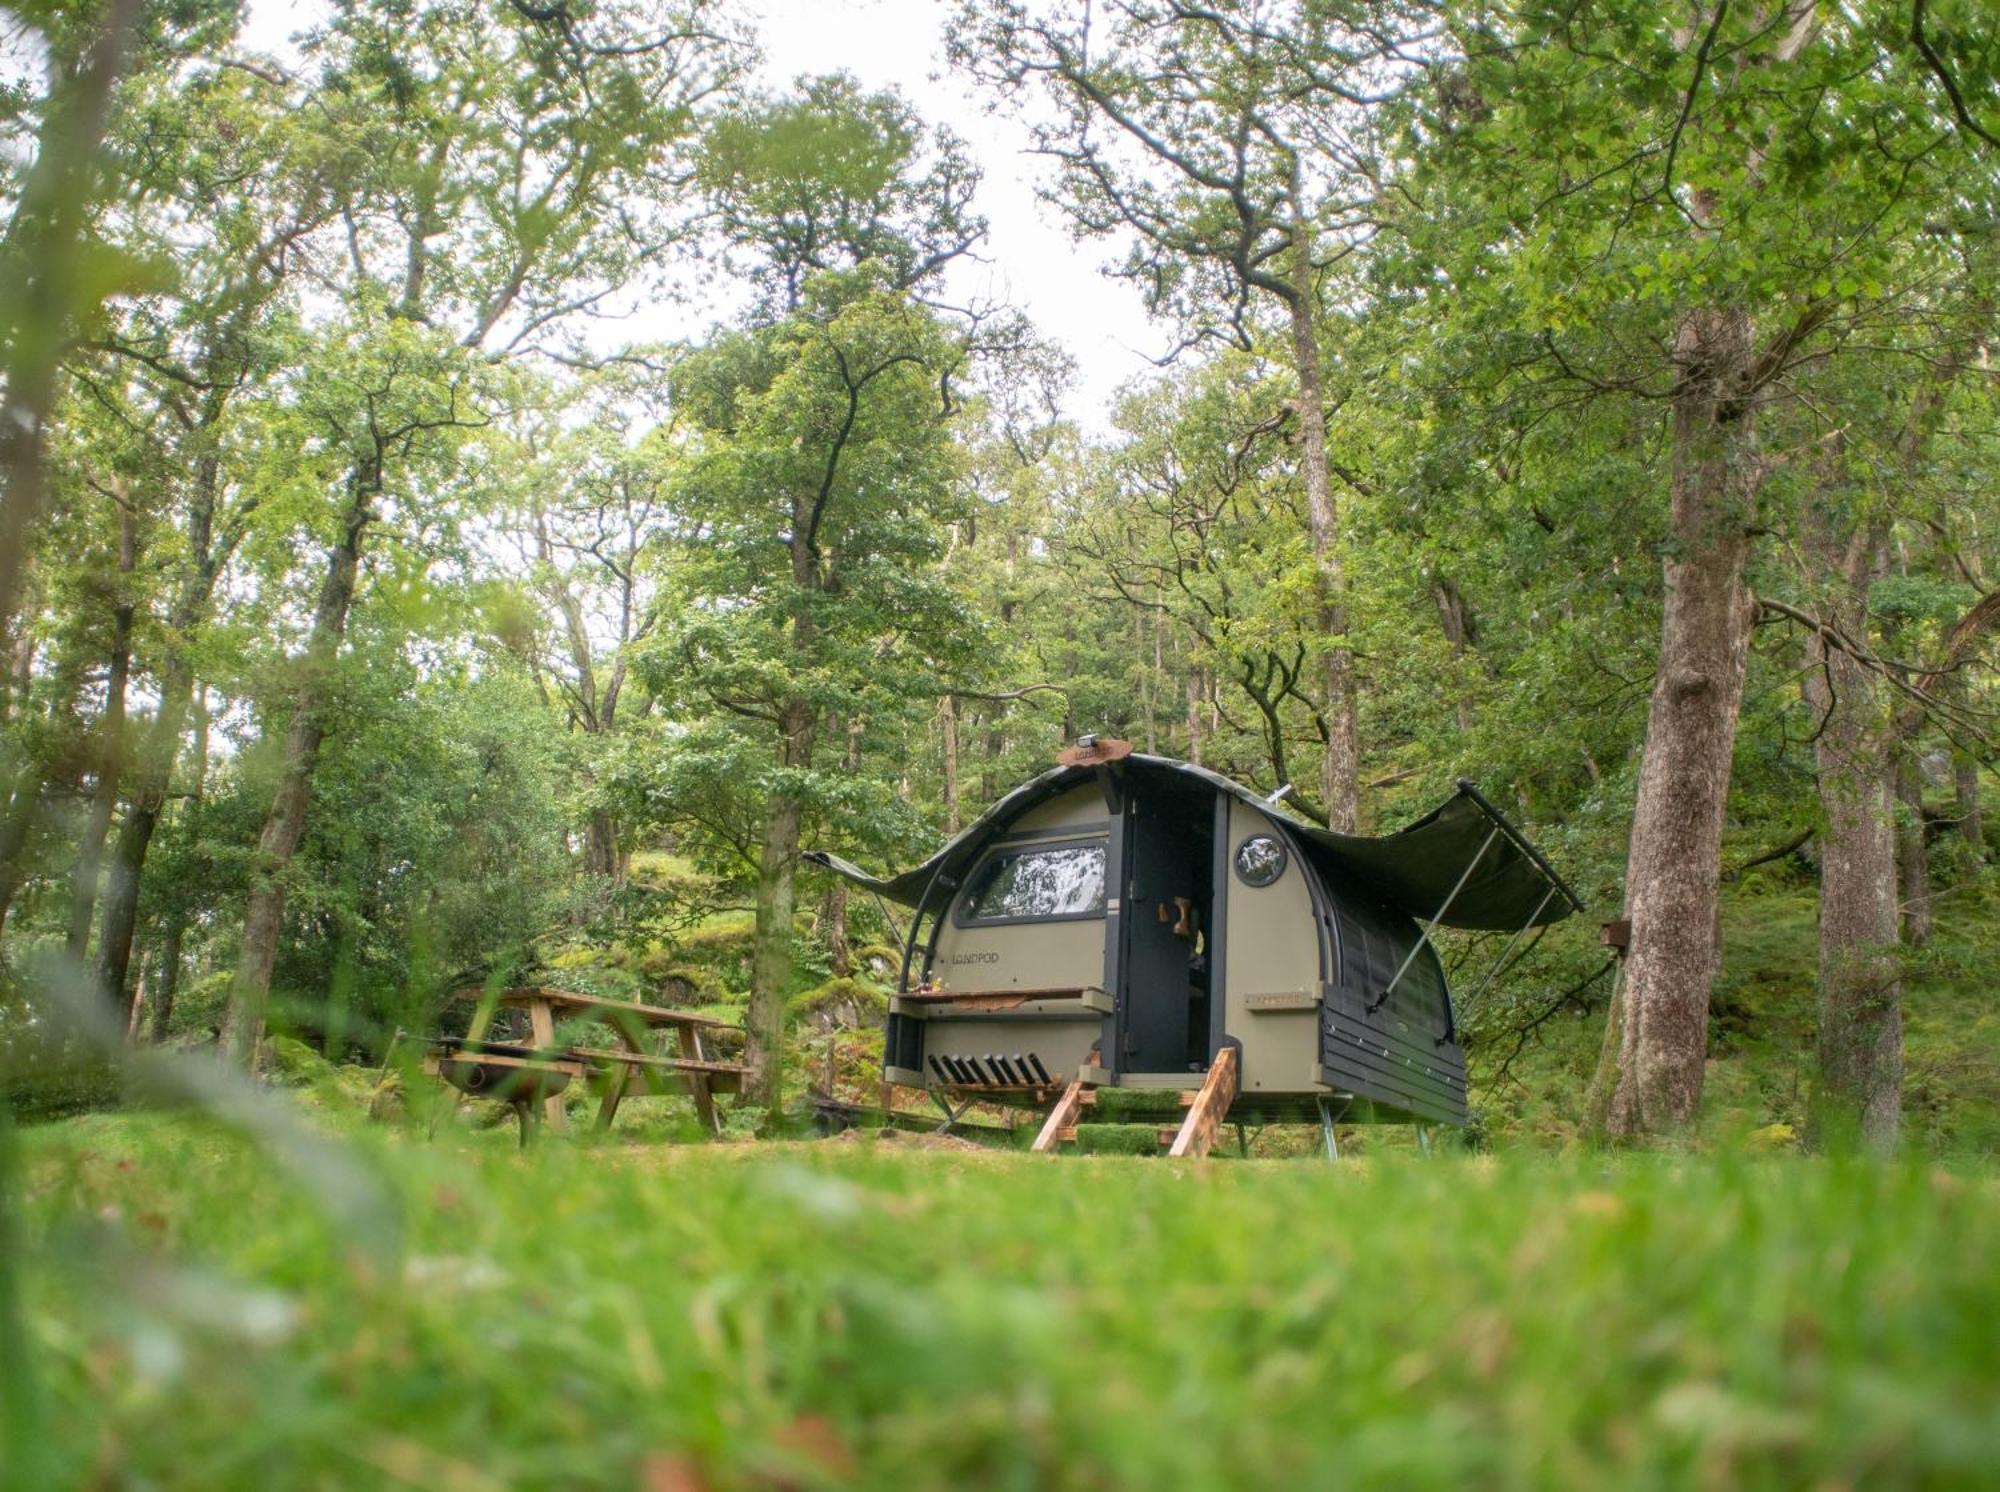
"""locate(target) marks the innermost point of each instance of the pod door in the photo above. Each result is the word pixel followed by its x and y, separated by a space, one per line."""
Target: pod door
pixel 1164 978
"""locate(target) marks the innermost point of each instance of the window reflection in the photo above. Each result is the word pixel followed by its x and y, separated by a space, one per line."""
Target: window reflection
pixel 1260 860
pixel 1060 881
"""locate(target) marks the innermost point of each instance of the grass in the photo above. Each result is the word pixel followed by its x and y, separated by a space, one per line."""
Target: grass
pixel 868 1314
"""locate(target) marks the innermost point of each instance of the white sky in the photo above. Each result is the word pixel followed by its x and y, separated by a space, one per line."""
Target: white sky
pixel 1029 259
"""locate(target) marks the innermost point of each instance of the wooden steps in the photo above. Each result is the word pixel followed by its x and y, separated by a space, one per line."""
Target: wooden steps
pixel 1206 1108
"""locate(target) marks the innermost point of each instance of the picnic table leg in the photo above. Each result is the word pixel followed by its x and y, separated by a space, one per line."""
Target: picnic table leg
pixel 614 1093
pixel 543 1023
pixel 704 1101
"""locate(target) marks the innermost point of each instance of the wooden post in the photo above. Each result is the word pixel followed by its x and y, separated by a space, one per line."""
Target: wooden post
pixel 614 1093
pixel 704 1101
pixel 542 1021
pixel 1062 1118
pixel 1210 1107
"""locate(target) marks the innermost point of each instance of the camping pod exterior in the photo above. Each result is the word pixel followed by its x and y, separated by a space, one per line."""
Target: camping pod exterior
pixel 1122 918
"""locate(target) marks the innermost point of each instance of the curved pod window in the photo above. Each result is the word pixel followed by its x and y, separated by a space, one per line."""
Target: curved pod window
pixel 1043 883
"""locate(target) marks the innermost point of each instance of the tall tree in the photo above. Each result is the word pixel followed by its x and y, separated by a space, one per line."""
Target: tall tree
pixel 1229 143
pixel 1687 225
pixel 821 490
pixel 512 190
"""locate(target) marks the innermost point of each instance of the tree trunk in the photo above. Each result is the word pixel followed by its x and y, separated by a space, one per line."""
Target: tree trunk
pixel 169 980
pixel 21 676
pixel 837 893
pixel 600 845
pixel 154 775
pixel 1340 774
pixel 24 811
pixel 1860 1051
pixel 1457 623
pixel 155 767
pixel 110 751
pixel 771 957
pixel 1194 716
pixel 1673 873
pixel 51 214
pixel 1913 852
pixel 948 726
pixel 1971 821
pixel 1860 1048
pixel 1149 682
pixel 285 824
pixel 32 779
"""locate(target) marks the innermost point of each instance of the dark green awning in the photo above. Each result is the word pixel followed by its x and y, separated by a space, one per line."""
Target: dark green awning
pixel 1417 868
pixel 1413 870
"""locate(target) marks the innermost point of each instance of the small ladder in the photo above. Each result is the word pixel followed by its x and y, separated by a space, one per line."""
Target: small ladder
pixel 1207 1107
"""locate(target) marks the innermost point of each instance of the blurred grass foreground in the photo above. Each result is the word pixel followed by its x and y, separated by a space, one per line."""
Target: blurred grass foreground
pixel 184 1308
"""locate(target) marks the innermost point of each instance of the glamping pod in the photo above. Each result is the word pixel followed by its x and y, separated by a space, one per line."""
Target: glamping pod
pixel 1122 920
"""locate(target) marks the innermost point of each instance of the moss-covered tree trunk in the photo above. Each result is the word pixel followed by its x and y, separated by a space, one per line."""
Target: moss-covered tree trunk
pixel 1650 1076
pixel 1858 1092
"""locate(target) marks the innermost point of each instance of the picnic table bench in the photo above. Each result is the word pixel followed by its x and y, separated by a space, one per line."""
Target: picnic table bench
pixel 629 1071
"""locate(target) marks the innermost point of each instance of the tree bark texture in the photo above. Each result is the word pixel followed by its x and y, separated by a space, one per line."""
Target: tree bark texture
pixel 1860 1043
pixel 1673 873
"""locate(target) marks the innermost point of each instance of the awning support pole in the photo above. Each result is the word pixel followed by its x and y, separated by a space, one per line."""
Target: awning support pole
pixel 1471 865
pixel 1501 963
pixel 883 907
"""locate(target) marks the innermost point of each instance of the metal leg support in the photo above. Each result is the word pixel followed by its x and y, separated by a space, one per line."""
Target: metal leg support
pixel 951 1116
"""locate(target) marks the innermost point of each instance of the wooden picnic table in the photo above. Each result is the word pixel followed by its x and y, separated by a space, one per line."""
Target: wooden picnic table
pixel 633 1023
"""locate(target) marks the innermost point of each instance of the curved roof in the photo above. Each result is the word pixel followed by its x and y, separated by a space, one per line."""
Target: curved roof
pixel 1506 881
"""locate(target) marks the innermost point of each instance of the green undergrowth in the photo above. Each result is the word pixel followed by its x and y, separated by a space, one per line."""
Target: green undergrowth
pixel 199 1315
pixel 1758 1083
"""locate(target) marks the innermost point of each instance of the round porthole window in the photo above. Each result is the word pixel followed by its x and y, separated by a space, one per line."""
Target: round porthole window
pixel 1260 860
